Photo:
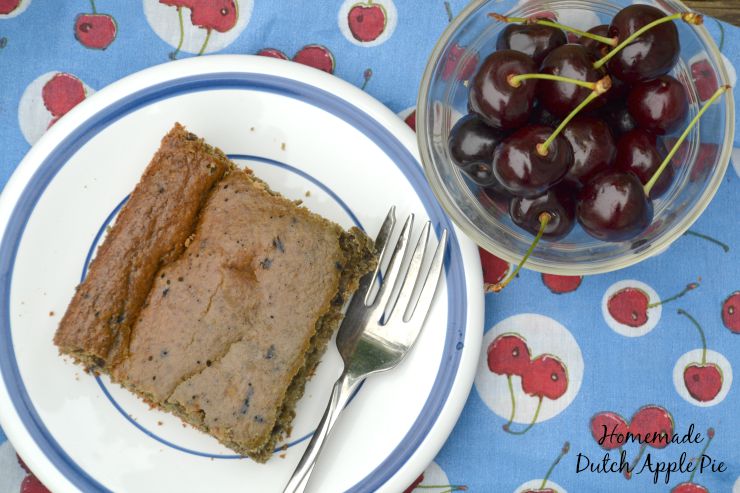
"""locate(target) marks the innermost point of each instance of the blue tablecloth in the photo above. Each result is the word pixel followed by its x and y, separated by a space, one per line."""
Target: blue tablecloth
pixel 601 377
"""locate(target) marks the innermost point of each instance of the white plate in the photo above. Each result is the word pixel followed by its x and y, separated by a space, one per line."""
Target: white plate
pixel 302 131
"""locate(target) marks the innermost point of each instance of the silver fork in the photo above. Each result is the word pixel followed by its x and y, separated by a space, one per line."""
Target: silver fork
pixel 378 331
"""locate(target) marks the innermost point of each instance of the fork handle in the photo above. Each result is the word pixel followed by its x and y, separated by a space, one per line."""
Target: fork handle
pixel 340 395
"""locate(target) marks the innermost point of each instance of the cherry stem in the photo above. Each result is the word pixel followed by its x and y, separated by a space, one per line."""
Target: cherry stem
pixel 631 467
pixel 649 185
pixel 600 87
pixel 557 25
pixel 205 43
pixel 513 402
pixel 701 333
pixel 367 74
pixel 688 17
pixel 544 220
pixel 724 246
pixel 182 34
pixel 689 287
pixel 531 424
pixel 516 80
pixel 92 6
pixel 449 12
pixel 710 435
pixel 563 451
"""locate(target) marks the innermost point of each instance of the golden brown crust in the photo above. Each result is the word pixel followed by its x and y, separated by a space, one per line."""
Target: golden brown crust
pixel 97 325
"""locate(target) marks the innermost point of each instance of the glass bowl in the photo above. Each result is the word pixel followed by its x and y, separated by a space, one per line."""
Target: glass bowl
pixel 699 165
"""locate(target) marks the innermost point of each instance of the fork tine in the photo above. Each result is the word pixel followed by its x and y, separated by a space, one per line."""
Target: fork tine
pixel 381 243
pixel 430 283
pixel 411 276
pixel 391 274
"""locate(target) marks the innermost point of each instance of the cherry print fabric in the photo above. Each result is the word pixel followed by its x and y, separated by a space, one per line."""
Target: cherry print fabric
pixel 563 358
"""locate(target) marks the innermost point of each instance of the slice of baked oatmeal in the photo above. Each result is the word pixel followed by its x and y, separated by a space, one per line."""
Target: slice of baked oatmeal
pixel 242 291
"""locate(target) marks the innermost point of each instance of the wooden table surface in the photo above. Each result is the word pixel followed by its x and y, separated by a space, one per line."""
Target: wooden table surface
pixel 726 10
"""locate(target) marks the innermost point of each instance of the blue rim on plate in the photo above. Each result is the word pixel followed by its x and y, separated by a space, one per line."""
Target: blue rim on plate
pixel 352 115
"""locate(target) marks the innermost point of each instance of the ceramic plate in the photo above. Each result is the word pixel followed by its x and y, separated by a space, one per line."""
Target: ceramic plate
pixel 312 137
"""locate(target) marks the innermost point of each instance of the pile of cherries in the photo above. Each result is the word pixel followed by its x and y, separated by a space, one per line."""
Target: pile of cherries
pixel 567 132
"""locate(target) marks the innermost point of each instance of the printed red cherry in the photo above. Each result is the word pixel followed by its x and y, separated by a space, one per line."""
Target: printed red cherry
pixel 546 376
pixel 659 105
pixel 613 207
pixel 704 162
pixel 593 147
pixel 689 488
pixel 637 152
pixel 96 31
pixel 610 425
pixel 8 6
pixel 652 53
pixel 494 98
pixel 561 284
pixel 702 380
pixel 508 354
pixel 410 120
pixel 217 15
pixel 316 56
pixel 705 78
pixel 574 62
pixel 453 58
pixel 494 268
pixel 557 201
pixel 731 312
pixel 31 484
pixel 653 421
pixel 367 21
pixel 522 169
pixel 272 53
pixel 62 93
pixel 531 39
pixel 471 141
pixel 629 306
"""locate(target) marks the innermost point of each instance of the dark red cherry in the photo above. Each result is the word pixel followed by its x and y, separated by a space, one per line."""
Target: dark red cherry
pixel 559 201
pixel 618 118
pixel 482 174
pixel 573 61
pixel 653 53
pixel 613 207
pixel 540 116
pixel 471 141
pixel 638 152
pixel 598 48
pixel 492 96
pixel 659 105
pixel 593 148
pixel 522 170
pixel 531 39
